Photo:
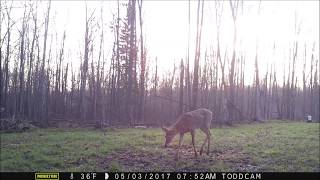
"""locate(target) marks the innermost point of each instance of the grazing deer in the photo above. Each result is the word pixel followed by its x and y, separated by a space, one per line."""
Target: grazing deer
pixel 188 122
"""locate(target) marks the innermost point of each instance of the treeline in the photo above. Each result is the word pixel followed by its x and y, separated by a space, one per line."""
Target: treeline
pixel 43 86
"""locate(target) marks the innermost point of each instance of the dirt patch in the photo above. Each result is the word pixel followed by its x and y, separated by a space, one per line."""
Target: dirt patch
pixel 164 160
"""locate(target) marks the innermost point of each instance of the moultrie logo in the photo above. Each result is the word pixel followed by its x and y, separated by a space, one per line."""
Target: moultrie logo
pixel 46 176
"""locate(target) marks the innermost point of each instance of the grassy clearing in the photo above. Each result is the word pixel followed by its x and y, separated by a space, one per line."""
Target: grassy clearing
pixel 276 146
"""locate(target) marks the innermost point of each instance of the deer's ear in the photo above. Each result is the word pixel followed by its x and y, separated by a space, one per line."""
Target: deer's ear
pixel 164 129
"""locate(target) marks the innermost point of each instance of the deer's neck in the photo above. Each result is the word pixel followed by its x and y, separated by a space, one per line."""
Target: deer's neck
pixel 175 127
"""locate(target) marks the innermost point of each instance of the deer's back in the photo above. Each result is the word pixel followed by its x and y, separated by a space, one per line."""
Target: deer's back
pixel 200 118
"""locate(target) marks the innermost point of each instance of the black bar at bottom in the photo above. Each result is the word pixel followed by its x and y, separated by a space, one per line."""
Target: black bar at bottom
pixel 160 175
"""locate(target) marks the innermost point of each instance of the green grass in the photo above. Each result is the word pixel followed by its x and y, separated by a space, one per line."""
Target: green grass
pixel 274 146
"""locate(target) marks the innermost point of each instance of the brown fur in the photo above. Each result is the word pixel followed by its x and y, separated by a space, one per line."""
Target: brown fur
pixel 188 122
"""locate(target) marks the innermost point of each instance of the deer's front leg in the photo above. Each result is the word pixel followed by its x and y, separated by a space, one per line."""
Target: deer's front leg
pixel 180 142
pixel 194 147
pixel 209 136
pixel 205 141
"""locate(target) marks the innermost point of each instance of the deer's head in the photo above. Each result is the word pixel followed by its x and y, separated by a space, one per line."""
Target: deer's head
pixel 169 134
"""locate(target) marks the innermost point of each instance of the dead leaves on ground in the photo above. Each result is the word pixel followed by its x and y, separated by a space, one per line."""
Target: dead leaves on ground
pixel 163 160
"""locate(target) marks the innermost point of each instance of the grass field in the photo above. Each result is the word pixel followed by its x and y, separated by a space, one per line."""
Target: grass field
pixel 274 146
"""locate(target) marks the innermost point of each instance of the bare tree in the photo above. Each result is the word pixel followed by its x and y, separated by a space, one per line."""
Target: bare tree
pixel 197 56
pixel 234 6
pixel 143 67
pixel 256 106
pixel 131 60
pixel 181 87
pixel 5 70
pixel 188 79
pixel 42 80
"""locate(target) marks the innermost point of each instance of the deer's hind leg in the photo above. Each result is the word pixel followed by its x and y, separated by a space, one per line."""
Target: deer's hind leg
pixel 208 134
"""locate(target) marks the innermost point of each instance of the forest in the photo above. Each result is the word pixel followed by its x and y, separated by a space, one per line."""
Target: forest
pixel 40 84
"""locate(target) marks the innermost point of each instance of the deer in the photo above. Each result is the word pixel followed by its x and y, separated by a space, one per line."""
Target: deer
pixel 189 122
